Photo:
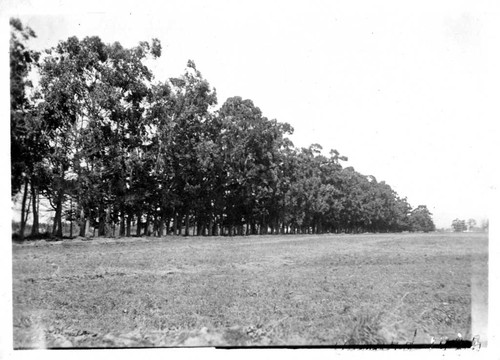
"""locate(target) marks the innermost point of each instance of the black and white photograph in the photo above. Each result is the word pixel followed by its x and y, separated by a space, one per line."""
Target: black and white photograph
pixel 249 175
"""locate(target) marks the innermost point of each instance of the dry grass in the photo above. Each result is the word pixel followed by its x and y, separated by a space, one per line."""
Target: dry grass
pixel 262 290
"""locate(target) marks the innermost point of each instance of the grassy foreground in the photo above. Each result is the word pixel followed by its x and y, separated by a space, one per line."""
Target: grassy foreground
pixel 258 290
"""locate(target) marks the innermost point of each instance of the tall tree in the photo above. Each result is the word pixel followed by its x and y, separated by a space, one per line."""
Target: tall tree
pixel 183 123
pixel 92 106
pixel 251 147
pixel 26 147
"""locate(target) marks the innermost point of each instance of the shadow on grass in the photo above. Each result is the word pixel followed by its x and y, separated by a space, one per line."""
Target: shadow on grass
pixel 47 236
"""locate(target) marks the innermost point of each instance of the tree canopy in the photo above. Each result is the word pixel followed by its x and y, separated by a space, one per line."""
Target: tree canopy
pixel 110 146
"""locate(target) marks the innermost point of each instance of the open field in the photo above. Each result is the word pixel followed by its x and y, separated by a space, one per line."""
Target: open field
pixel 259 290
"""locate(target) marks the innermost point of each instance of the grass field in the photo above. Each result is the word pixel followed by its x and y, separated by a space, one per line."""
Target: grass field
pixel 258 290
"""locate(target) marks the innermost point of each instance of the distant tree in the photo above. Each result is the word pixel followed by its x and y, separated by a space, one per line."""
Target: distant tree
pixel 421 219
pixel 458 225
pixel 485 224
pixel 470 224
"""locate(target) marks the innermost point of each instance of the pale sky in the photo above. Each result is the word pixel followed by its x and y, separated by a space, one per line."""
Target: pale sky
pixel 406 93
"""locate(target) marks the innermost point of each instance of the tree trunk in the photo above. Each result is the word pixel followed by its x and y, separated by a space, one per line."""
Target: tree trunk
pixel 186 233
pixel 155 226
pixel 253 228
pixel 57 227
pixel 122 222
pixel 35 229
pixel 175 225
pixel 59 232
pixel 129 223
pixel 168 225
pixel 216 226
pixel 161 225
pixel 146 227
pixel 102 221
pixel 199 227
pixel 220 224
pixel 110 227
pixel 82 224
pixel 71 219
pixel 169 222
pixel 138 230
pixel 210 225
pixel 23 211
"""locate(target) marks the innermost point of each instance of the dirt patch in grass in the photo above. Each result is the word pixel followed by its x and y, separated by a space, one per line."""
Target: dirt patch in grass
pixel 262 290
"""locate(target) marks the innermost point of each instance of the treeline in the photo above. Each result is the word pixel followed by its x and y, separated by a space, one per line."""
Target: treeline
pixel 459 225
pixel 100 137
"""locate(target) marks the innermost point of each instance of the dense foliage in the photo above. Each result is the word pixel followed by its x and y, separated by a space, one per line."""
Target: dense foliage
pixel 109 147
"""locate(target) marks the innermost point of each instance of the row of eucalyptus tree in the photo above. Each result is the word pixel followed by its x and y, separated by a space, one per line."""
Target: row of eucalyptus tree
pixel 112 148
